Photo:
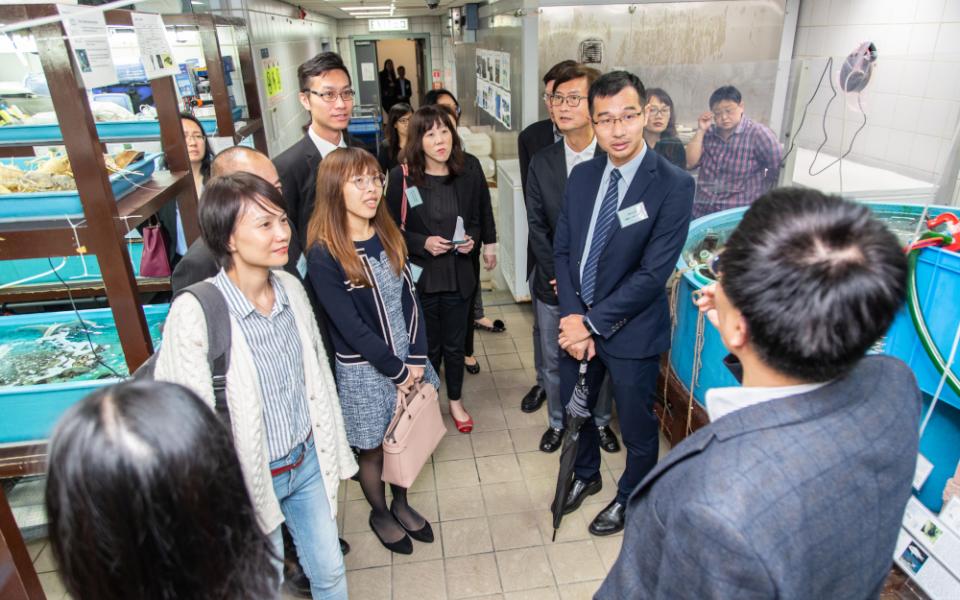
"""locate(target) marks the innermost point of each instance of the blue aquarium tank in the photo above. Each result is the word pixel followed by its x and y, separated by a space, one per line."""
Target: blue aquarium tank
pixel 48 361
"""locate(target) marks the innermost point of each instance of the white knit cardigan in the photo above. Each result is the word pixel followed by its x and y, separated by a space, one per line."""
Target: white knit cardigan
pixel 183 360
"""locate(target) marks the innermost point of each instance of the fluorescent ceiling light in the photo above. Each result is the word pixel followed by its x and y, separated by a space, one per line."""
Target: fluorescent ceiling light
pixel 359 8
pixel 368 15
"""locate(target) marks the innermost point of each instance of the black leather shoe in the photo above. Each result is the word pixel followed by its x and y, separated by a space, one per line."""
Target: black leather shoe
pixel 424 534
pixel 401 546
pixel 551 440
pixel 472 369
pixel 344 547
pixel 295 581
pixel 579 492
pixel 609 521
pixel 608 439
pixel 533 400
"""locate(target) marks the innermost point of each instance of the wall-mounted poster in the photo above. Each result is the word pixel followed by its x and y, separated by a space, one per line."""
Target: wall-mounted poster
pixel 493 85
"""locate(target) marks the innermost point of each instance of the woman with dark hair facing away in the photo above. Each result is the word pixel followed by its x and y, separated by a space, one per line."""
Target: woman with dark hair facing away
pixel 358 267
pixel 146 500
pixel 282 399
pixel 388 85
pixel 660 132
pixel 439 191
pixel 398 123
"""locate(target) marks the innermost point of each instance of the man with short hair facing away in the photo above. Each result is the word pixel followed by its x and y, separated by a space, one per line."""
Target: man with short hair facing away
pixel 546 181
pixel 326 92
pixel 797 487
pixel 620 232
pixel 531 140
pixel 739 159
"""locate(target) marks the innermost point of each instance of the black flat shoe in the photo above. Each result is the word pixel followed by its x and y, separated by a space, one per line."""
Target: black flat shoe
pixel 344 547
pixel 608 439
pixel 295 581
pixel 533 400
pixel 401 546
pixel 498 326
pixel 551 440
pixel 579 492
pixel 472 369
pixel 424 534
pixel 609 521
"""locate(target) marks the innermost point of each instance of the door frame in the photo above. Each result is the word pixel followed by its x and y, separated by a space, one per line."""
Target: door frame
pixel 398 35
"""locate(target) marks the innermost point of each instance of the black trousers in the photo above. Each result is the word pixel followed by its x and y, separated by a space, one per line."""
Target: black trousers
pixel 446 316
pixel 634 383
pixel 472 313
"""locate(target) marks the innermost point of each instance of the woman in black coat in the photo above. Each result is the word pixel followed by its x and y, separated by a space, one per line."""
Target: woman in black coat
pixel 388 85
pixel 439 190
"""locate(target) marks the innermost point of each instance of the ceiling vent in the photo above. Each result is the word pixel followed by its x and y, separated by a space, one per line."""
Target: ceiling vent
pixel 591 51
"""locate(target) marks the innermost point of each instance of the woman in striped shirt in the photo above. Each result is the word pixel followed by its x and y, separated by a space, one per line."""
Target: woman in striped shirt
pixel 284 412
pixel 358 267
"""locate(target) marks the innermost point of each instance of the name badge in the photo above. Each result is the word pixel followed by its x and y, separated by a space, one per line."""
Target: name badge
pixel 416 271
pixel 413 197
pixel 302 266
pixel 632 215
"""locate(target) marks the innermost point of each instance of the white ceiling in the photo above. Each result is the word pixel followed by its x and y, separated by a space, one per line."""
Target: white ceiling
pixel 401 8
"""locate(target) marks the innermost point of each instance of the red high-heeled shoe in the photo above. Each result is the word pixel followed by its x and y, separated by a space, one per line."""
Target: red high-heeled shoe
pixel 463 426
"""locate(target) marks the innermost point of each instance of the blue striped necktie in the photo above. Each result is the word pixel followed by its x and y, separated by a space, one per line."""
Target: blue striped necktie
pixel 606 219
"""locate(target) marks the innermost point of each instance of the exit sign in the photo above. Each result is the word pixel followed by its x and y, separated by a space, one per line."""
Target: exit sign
pixel 388 24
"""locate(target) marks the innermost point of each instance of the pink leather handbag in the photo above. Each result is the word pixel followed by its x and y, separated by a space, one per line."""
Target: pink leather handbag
pixel 414 433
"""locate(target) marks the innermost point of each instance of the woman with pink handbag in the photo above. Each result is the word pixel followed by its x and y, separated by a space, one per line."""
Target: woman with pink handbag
pixel 357 263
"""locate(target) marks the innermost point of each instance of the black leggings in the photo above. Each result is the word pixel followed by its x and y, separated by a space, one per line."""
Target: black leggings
pixel 446 316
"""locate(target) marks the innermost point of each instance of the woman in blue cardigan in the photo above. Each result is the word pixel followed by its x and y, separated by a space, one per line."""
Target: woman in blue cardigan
pixel 358 267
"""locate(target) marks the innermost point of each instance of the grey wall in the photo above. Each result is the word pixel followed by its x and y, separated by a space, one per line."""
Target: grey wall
pixel 687 48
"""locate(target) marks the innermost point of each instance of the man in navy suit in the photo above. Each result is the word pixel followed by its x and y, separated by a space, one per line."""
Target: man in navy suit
pixel 796 488
pixel 623 225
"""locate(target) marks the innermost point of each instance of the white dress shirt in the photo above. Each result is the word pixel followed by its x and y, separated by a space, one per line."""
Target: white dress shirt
pixel 627 172
pixel 323 145
pixel 575 158
pixel 723 401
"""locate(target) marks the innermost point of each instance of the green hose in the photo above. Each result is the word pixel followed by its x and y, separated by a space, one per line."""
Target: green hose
pixel 916 314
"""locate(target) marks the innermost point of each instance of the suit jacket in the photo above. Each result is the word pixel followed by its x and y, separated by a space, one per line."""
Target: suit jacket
pixel 546 181
pixel 473 196
pixel 630 310
pixel 531 140
pixel 799 497
pixel 297 167
pixel 404 90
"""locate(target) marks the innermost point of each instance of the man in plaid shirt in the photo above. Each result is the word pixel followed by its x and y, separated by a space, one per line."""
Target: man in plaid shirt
pixel 739 159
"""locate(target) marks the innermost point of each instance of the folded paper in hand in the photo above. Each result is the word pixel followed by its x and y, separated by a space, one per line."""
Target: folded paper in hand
pixel 459 235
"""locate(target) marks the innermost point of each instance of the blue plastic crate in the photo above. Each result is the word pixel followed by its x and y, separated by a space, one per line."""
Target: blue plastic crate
pixel 53 205
pixel 108 130
pixel 74 269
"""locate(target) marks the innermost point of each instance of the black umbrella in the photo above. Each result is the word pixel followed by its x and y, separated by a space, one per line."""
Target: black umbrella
pixel 577 414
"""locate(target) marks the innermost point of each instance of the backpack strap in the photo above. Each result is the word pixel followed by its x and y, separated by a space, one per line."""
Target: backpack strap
pixel 217 316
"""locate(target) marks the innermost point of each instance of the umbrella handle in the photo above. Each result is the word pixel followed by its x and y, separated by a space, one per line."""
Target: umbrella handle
pixel 582 379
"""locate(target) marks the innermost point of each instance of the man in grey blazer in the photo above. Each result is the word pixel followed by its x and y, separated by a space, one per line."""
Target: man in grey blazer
pixel 796 488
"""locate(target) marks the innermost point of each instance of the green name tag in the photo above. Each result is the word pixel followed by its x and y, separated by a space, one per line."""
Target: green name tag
pixel 631 215
pixel 416 271
pixel 413 197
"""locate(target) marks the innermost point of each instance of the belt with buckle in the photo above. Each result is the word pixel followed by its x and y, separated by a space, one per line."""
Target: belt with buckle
pixel 294 464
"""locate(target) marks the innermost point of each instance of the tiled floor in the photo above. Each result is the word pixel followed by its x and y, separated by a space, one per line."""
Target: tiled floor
pixel 487 495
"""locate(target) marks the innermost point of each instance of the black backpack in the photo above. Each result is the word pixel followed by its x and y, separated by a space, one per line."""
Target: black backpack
pixel 217 315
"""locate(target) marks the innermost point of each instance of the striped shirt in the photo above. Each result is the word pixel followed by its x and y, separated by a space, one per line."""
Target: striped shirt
pixel 736 171
pixel 274 342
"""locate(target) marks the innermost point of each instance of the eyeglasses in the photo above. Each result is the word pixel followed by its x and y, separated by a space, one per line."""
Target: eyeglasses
pixel 331 96
pixel 721 113
pixel 363 182
pixel 403 121
pixel 195 137
pixel 571 100
pixel 608 122
pixel 656 112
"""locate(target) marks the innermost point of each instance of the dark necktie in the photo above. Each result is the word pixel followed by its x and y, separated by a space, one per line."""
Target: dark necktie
pixel 606 220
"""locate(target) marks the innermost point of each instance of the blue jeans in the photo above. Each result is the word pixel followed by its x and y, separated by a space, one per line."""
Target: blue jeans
pixel 303 501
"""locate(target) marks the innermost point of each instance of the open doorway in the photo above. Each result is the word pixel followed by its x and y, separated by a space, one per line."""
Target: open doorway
pixel 408 51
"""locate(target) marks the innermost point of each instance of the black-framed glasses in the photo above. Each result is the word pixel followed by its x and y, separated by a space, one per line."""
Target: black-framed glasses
pixel 403 121
pixel 331 96
pixel 608 122
pixel 653 111
pixel 573 100
pixel 363 182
